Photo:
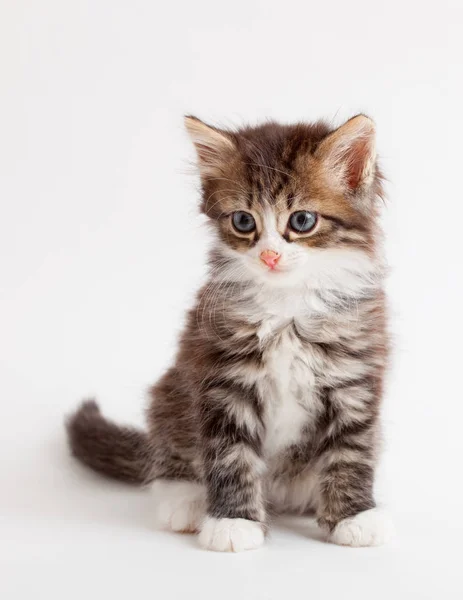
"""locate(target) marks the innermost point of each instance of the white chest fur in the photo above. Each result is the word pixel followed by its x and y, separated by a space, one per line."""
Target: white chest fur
pixel 287 388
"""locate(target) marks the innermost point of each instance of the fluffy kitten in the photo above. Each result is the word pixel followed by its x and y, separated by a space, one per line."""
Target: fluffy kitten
pixel 273 402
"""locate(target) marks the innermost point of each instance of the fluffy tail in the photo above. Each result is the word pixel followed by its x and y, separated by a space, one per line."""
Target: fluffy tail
pixel 118 452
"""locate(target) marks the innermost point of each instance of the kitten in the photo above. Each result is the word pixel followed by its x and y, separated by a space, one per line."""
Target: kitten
pixel 273 402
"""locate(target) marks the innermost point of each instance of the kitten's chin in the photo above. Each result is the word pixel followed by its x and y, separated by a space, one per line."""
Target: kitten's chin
pixel 279 278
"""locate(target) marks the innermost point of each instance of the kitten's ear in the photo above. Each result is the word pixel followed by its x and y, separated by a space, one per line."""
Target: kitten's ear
pixel 213 146
pixel 349 153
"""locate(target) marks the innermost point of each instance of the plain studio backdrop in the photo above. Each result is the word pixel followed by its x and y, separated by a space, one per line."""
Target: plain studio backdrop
pixel 102 249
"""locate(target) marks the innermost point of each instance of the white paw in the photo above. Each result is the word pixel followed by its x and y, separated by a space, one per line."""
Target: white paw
pixel 181 505
pixel 231 535
pixel 369 528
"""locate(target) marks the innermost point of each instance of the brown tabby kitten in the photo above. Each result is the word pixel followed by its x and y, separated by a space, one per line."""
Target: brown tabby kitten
pixel 273 402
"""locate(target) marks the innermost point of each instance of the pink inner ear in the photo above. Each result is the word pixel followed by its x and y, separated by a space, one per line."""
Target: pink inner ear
pixel 359 154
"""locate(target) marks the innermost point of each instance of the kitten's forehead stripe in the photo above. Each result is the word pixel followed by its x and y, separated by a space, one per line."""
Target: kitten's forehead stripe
pixel 250 199
pixel 290 202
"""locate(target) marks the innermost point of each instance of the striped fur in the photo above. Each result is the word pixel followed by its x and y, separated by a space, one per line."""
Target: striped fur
pixel 273 402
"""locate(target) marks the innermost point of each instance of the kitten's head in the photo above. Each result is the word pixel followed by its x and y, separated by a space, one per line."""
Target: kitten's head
pixel 291 204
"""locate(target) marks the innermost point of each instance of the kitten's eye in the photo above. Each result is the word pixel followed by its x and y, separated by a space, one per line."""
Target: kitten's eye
pixel 302 221
pixel 243 221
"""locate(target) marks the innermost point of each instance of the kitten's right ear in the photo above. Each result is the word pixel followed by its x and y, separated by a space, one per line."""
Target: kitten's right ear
pixel 213 146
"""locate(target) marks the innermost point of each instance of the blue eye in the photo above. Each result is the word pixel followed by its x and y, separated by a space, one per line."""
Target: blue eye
pixel 243 221
pixel 302 221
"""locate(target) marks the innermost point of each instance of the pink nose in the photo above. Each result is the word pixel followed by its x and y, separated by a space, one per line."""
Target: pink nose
pixel 270 258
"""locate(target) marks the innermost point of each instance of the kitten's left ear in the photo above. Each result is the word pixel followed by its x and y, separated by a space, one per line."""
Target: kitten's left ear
pixel 213 146
pixel 349 153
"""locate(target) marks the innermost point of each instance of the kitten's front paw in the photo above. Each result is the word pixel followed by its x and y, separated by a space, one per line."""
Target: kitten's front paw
pixel 231 535
pixel 369 528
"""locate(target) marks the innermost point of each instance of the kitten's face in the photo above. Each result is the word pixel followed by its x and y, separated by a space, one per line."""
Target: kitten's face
pixel 292 205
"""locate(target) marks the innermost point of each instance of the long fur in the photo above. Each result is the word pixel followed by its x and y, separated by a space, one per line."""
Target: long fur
pixel 273 401
pixel 110 449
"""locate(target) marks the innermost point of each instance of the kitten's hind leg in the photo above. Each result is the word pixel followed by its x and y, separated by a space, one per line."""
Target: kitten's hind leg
pixel 180 505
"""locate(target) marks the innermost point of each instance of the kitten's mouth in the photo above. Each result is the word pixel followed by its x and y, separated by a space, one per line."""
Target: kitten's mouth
pixel 271 268
pixel 276 271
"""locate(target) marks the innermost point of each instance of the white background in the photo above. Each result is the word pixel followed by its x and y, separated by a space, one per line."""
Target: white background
pixel 101 250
